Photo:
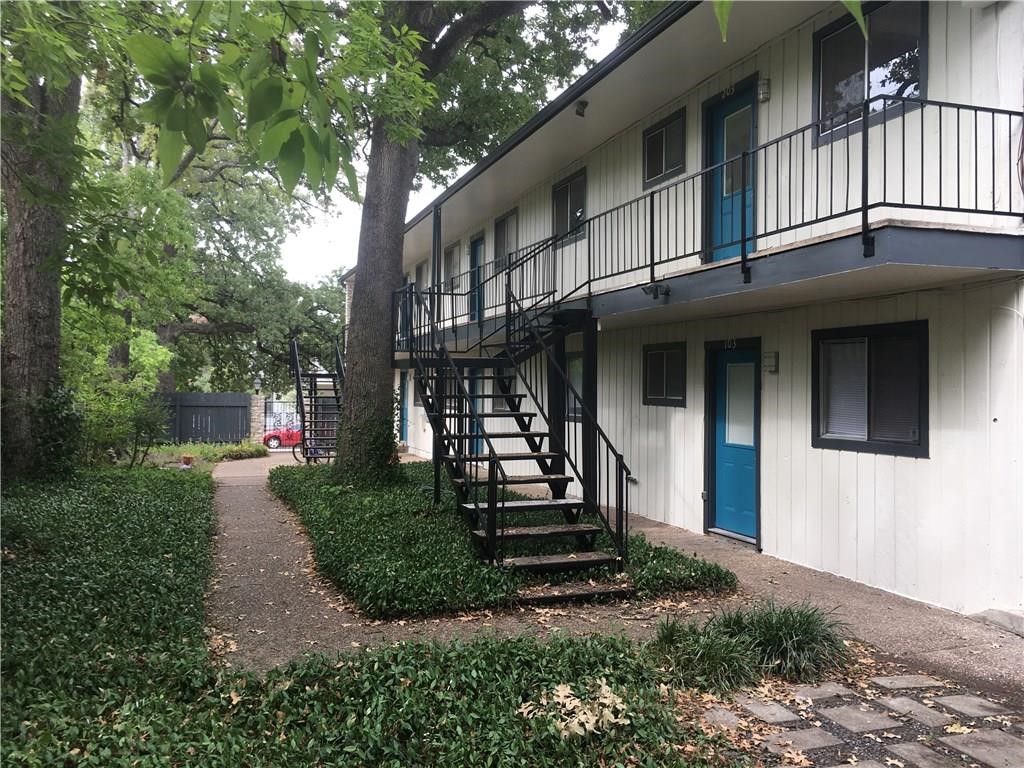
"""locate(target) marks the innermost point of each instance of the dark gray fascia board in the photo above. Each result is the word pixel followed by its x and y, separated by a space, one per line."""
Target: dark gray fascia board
pixel 666 18
pixel 893 245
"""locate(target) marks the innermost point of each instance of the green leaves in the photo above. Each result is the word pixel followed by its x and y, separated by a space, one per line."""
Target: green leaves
pixel 264 100
pixel 291 161
pixel 722 10
pixel 169 148
pixel 857 11
pixel 157 60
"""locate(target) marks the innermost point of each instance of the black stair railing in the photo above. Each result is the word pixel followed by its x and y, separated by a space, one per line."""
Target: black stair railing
pixel 317 408
pixel 440 382
pixel 599 468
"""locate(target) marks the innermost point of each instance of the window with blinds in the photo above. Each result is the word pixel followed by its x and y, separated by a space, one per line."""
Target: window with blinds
pixel 664 369
pixel 870 389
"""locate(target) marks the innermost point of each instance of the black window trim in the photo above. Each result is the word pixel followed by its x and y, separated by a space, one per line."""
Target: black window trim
pixel 916 328
pixel 503 217
pixel 448 281
pixel 853 127
pixel 581 233
pixel 679 114
pixel 671 402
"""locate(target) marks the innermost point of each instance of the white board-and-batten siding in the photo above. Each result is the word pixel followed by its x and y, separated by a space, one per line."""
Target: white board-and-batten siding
pixel 975 55
pixel 948 529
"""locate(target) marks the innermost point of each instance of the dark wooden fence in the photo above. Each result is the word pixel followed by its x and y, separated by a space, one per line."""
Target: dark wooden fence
pixel 209 417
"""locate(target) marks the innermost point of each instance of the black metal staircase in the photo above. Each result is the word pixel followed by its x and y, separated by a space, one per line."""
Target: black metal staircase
pixel 571 509
pixel 318 402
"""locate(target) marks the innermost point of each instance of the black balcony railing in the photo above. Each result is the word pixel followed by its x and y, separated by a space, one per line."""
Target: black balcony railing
pixel 958 160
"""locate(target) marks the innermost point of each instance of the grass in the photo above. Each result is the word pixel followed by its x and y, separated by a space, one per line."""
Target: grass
pixel 396 555
pixel 204 454
pixel 105 663
pixel 703 658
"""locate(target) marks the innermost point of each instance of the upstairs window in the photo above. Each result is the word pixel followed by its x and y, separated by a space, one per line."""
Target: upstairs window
pixel 665 374
pixel 870 389
pixel 450 262
pixel 850 69
pixel 506 239
pixel 569 196
pixel 663 149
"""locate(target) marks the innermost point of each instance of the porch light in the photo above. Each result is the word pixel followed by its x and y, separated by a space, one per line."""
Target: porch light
pixel 656 290
pixel 581 107
pixel 257 383
pixel 764 89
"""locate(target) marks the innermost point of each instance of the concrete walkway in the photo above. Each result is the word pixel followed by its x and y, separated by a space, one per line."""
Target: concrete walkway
pixel 919 635
pixel 269 548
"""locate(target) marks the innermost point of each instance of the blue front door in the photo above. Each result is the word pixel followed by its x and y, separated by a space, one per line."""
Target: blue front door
pixel 735 408
pixel 730 197
pixel 476 264
pixel 403 407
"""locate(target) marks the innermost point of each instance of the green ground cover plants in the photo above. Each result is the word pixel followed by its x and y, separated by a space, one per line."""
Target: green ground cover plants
pixel 389 549
pixel 205 454
pixel 105 663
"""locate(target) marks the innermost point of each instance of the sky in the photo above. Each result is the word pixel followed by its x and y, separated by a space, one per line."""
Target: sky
pixel 330 240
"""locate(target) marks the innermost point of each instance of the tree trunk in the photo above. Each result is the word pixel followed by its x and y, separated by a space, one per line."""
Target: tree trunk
pixel 35 186
pixel 366 432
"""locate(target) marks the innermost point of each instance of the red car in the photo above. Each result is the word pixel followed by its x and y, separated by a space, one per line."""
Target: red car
pixel 283 437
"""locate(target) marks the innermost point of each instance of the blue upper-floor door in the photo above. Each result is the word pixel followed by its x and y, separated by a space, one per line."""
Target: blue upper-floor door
pixel 731 128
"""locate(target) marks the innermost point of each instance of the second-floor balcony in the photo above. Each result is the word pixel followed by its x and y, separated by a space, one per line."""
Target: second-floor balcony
pixel 919 163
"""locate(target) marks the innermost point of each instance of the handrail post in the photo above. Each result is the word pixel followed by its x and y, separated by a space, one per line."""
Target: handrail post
pixel 867 239
pixel 492 509
pixel 744 266
pixel 620 541
pixel 650 233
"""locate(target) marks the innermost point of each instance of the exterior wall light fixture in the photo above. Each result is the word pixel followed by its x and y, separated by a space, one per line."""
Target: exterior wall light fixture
pixel 581 107
pixel 764 89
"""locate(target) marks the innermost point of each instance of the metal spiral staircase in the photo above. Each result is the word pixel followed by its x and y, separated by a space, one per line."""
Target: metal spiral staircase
pixel 484 439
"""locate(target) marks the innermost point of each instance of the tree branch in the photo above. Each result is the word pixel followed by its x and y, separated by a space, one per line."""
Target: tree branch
pixel 470 24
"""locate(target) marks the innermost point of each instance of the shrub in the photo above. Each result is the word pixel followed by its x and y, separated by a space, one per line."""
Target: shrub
pixel 704 658
pixel 395 554
pixel 657 570
pixel 798 642
pixel 389 548
pixel 58 433
pixel 206 453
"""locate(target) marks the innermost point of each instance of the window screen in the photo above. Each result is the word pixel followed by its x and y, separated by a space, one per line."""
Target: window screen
pixel 570 204
pixel 852 69
pixel 664 148
pixel 869 388
pixel 664 374
pixel 506 239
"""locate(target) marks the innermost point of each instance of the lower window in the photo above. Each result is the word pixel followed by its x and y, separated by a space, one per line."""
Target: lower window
pixel 870 389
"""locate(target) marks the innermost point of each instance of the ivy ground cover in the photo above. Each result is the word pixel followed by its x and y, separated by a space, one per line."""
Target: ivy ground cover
pixel 395 554
pixel 105 663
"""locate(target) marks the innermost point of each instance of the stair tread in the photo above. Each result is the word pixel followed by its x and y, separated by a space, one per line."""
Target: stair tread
pixel 539 531
pixel 574 591
pixel 496 414
pixel 526 455
pixel 561 560
pixel 499 434
pixel 518 479
pixel 529 505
